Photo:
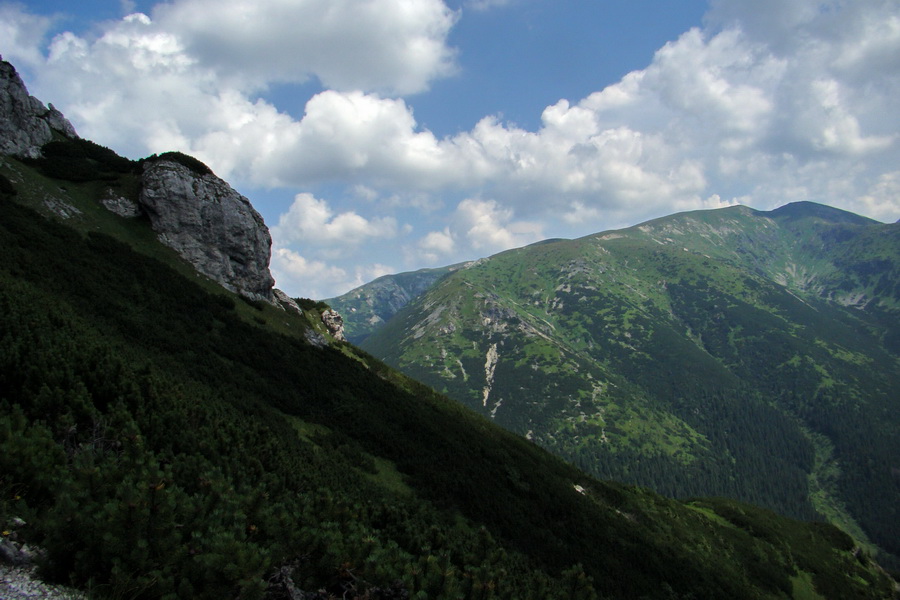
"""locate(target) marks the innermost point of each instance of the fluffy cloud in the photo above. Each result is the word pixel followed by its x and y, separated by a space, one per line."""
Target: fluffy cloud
pixel 22 34
pixel 490 228
pixel 354 136
pixel 738 109
pixel 395 46
pixel 311 221
pixel 190 77
pixel 302 277
pixel 311 242
pixel 435 246
pixel 879 201
pixel 307 278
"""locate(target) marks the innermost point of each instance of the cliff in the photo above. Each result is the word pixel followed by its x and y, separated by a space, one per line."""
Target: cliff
pixel 194 212
pixel 212 226
pixel 25 123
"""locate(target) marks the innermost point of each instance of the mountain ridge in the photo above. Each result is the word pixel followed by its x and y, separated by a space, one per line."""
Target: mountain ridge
pixel 371 305
pixel 602 348
pixel 791 211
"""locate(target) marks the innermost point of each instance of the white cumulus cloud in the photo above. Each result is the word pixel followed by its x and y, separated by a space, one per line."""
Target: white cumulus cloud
pixel 22 34
pixel 311 221
pixel 436 245
pixel 312 278
pixel 393 46
pixel 190 77
pixel 492 228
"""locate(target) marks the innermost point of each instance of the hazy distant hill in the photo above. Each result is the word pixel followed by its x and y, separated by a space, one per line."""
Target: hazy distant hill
pixel 368 307
pixel 729 352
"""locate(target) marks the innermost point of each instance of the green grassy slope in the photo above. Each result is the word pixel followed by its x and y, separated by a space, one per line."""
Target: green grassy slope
pixel 163 438
pixel 699 354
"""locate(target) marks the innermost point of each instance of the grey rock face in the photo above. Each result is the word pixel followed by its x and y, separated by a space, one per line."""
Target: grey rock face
pixel 198 215
pixel 25 123
pixel 316 339
pixel 286 302
pixel 335 324
pixel 213 227
pixel 120 205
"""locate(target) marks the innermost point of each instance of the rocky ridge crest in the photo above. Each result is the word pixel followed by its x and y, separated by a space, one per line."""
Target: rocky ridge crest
pixel 194 212
pixel 334 322
pixel 25 123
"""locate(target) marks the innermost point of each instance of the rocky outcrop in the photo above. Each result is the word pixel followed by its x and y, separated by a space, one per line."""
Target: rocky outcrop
pixel 18 568
pixel 210 225
pixel 120 205
pixel 334 322
pixel 25 123
pixel 194 212
pixel 286 302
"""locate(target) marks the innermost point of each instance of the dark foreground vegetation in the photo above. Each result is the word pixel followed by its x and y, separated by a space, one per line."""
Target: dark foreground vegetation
pixel 162 440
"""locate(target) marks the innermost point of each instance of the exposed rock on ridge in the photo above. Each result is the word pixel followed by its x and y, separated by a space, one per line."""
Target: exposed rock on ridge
pixel 25 123
pixel 335 324
pixel 211 225
pixel 286 302
pixel 194 212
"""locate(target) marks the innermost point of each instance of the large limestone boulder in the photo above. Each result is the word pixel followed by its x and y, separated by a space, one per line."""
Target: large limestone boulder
pixel 212 226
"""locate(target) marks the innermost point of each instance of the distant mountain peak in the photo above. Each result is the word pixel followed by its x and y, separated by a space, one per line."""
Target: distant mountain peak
pixel 806 210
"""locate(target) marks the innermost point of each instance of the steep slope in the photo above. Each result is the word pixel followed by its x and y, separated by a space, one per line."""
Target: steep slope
pixel 300 460
pixel 725 352
pixel 161 436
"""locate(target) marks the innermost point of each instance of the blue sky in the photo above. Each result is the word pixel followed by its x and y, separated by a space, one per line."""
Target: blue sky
pixel 379 136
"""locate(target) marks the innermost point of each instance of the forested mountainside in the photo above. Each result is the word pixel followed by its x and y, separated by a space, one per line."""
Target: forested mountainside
pixel 162 436
pixel 729 352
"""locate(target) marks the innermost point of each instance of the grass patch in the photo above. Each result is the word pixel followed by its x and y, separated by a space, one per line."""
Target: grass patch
pixel 389 477
pixel 803 588
pixel 710 514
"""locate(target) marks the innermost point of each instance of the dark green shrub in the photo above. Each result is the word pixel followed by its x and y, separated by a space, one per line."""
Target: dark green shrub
pixel 257 304
pixel 184 160
pixel 80 160
pixel 6 187
pixel 308 304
